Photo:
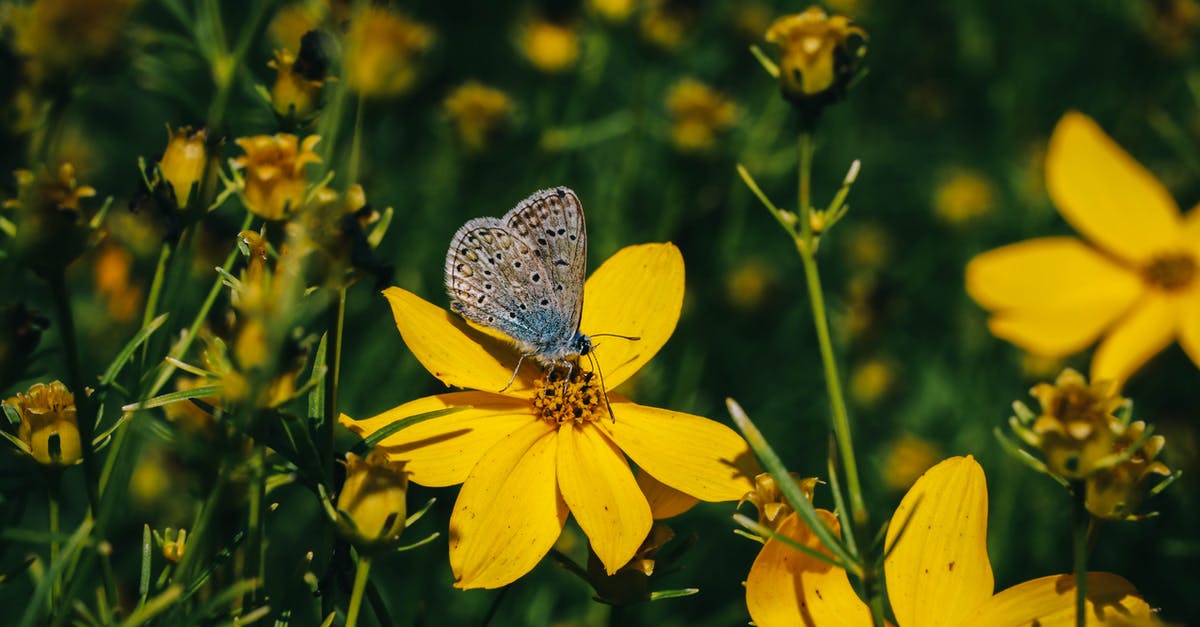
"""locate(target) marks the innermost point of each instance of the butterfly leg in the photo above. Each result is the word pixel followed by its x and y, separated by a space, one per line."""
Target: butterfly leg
pixel 514 374
pixel 603 388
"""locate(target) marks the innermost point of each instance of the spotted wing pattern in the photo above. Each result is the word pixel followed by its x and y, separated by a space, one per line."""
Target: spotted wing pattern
pixel 516 274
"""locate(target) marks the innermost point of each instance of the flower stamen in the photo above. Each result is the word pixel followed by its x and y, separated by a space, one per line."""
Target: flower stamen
pixel 573 396
pixel 1171 272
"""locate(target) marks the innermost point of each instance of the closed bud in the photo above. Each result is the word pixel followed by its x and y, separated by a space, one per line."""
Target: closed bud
pixel 184 162
pixel 818 56
pixel 373 502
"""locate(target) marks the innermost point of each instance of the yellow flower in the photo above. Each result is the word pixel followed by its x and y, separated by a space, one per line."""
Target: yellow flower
pixel 1115 492
pixel 373 500
pixel 612 10
pixel 382 49
pixel 667 23
pixel 57 36
pixel 816 57
pixel 698 115
pixel 750 285
pixel 546 447
pixel 478 112
pixel 1137 286
pixel 871 380
pixel 275 180
pixel 183 162
pixel 297 91
pixel 111 273
pixel 174 545
pixel 937 573
pixel 52 225
pixel 768 498
pixel 48 427
pixel 963 196
pixel 1073 429
pixel 549 46
pixel 907 459
pixel 292 21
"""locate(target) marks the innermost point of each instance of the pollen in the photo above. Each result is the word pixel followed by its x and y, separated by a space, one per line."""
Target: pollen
pixel 1171 271
pixel 575 396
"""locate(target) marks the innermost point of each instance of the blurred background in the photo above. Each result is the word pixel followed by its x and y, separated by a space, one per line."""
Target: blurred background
pixel 644 107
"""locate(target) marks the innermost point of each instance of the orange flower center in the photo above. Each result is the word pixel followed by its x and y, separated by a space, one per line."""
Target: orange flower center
pixel 1173 271
pixel 559 398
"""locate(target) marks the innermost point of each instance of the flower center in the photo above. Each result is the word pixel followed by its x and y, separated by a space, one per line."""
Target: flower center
pixel 1171 272
pixel 559 398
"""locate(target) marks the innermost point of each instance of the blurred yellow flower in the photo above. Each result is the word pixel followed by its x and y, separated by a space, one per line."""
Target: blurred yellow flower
pixel 292 21
pixel 666 23
pixel 551 47
pixel 937 573
pixel 908 457
pixel 1072 430
pixel 275 182
pixel 871 380
pixel 57 36
pixel 51 224
pixel 48 426
pixel 478 112
pixel 868 245
pixel 749 285
pixel 111 275
pixel 373 500
pixel 381 52
pixel 298 88
pixel 816 57
pixel 962 196
pixel 184 161
pixel 1137 285
pixel 613 10
pixel 1039 367
pixel 698 115
pixel 545 446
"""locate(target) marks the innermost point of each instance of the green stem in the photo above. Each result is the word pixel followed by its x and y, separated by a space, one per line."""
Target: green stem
pixel 361 572
pixel 356 144
pixel 52 507
pixel 1080 522
pixel 256 547
pixel 333 361
pixel 156 286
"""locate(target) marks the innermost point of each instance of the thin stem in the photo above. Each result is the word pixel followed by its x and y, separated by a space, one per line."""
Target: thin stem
pixel 356 143
pixel 806 147
pixel 333 361
pixel 874 593
pixel 255 548
pixel 1080 522
pixel 362 572
pixel 156 286
pixel 52 510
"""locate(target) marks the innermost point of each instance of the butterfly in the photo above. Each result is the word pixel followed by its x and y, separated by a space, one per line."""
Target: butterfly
pixel 523 275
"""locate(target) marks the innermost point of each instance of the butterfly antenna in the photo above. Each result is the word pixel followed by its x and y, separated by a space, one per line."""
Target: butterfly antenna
pixel 603 388
pixel 514 374
pixel 632 338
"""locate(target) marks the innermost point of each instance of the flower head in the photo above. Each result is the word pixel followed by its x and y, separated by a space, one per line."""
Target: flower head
pixel 963 196
pixel 299 81
pixel 57 36
pixel 550 46
pixel 48 426
pixel 382 50
pixel 546 446
pixel 373 501
pixel 937 571
pixel 1073 429
pixel 698 115
pixel 818 55
pixel 769 501
pixel 51 221
pixel 276 182
pixel 1136 285
pixel 1116 491
pixel 478 112
pixel 184 162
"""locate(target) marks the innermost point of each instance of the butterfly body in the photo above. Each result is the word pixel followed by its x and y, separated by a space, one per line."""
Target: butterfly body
pixel 523 275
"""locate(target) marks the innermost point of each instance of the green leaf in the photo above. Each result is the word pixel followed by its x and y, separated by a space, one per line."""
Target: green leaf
pixel 370 441
pixel 67 556
pixel 173 397
pixel 126 353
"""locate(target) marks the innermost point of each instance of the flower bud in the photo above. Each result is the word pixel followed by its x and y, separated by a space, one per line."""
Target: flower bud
pixel 183 162
pixel 1115 492
pixel 631 583
pixel 48 425
pixel 300 80
pixel 373 503
pixel 768 499
pixel 1073 430
pixel 818 56
pixel 52 226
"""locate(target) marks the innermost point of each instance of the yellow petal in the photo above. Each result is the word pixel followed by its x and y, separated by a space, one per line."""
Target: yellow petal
pixel 1050 602
pixel 1106 195
pixel 1051 296
pixel 786 587
pixel 509 512
pixel 1189 323
pixel 939 571
pixel 638 292
pixel 665 501
pixel 442 451
pixel 453 351
pixel 597 485
pixel 1135 338
pixel 694 455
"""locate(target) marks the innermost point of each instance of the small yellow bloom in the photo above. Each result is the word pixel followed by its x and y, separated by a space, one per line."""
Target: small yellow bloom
pixel 868 245
pixel 666 24
pixel 1116 492
pixel 698 115
pixel 52 225
pixel 292 21
pixel 545 446
pixel 871 380
pixel 907 459
pixel 937 573
pixel 48 425
pixel 478 112
pixel 963 196
pixel 275 178
pixel 373 500
pixel 613 10
pixel 750 285
pixel 174 544
pixel 184 162
pixel 111 273
pixel 296 94
pixel 551 47
pixel 1137 286
pixel 768 498
pixel 382 50
pixel 1073 429
pixel 818 54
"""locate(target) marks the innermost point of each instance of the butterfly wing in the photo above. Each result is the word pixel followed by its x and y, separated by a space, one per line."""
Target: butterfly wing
pixel 551 222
